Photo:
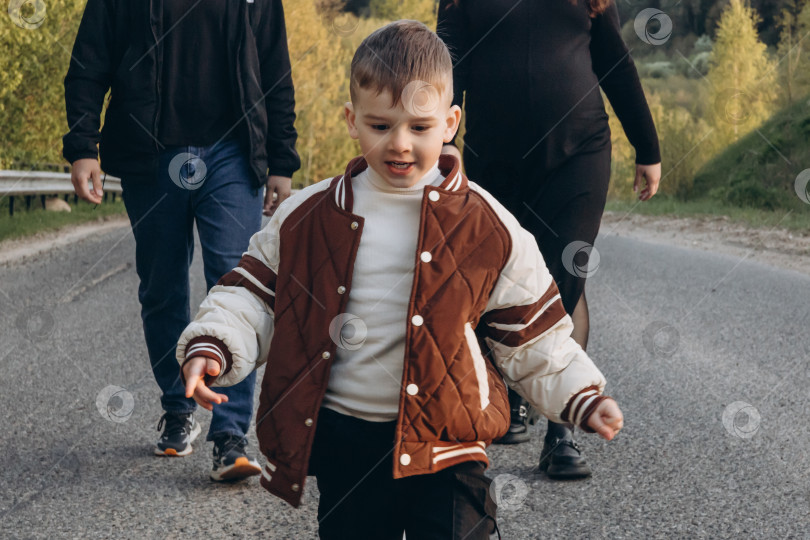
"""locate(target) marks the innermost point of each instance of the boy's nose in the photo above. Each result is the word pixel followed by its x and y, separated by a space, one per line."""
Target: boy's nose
pixel 400 142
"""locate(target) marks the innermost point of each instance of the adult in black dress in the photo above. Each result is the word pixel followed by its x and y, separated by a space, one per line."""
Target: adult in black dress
pixel 537 138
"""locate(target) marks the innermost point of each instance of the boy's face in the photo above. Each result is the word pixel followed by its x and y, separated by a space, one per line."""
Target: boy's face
pixel 402 143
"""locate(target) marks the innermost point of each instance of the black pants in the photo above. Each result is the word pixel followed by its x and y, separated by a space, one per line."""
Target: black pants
pixel 352 461
pixel 558 206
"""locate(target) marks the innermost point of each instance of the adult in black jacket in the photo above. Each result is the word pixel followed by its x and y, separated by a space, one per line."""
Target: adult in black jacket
pixel 537 137
pixel 199 121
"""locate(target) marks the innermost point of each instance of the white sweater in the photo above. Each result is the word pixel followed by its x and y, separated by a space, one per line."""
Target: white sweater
pixel 366 374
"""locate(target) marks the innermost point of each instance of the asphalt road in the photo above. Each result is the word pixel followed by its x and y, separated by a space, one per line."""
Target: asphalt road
pixel 707 355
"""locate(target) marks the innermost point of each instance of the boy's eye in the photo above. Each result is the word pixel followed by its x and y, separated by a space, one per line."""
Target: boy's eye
pixel 379 127
pixel 420 128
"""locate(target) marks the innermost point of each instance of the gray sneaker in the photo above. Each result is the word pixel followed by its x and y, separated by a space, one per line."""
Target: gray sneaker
pixel 179 431
pixel 231 460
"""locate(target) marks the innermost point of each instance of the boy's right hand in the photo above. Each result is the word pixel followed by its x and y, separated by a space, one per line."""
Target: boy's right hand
pixel 607 420
pixel 82 171
pixel 195 381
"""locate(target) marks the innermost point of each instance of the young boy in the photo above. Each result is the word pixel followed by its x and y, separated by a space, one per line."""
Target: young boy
pixel 390 304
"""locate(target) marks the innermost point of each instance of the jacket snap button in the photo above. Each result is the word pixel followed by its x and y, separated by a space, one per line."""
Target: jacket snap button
pixel 295 487
pixel 417 320
pixel 308 422
pixel 341 289
pixel 405 459
pixel 433 196
pixel 355 225
pixel 412 389
pixel 326 355
pixel 426 256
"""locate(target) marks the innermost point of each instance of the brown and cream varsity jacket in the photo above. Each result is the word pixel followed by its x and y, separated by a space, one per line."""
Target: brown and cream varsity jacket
pixel 483 310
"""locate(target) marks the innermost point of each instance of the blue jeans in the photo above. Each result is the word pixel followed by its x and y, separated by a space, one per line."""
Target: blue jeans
pixel 211 185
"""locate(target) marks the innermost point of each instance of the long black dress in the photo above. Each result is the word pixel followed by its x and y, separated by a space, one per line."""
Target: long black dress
pixel 537 132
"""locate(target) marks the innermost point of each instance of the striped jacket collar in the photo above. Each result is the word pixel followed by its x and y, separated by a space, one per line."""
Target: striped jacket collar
pixel 448 166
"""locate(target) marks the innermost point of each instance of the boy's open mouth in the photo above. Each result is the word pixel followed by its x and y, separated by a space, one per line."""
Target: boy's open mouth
pixel 400 168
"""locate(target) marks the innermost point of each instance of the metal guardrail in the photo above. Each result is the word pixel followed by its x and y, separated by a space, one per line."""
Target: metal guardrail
pixel 29 184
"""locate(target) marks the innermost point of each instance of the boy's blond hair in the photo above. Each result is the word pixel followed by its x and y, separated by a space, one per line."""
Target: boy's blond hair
pixel 400 53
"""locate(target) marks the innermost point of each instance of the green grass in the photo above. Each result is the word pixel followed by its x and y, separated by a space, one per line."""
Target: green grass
pixel 28 222
pixel 751 182
pixel 759 170
pixel 792 219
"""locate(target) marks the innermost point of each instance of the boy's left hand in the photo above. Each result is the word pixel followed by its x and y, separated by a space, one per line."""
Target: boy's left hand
pixel 607 419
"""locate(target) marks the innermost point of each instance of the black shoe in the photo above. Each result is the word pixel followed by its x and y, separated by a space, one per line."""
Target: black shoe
pixel 518 421
pixel 231 461
pixel 561 458
pixel 179 431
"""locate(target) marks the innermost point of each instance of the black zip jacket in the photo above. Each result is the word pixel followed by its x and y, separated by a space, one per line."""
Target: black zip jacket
pixel 119 48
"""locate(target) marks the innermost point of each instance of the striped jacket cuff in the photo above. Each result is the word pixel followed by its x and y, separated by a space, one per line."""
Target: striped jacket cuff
pixel 209 347
pixel 581 406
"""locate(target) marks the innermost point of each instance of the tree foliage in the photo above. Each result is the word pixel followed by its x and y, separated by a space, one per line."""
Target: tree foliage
pixel 320 41
pixel 35 43
pixel 419 10
pixel 741 76
pixel 794 50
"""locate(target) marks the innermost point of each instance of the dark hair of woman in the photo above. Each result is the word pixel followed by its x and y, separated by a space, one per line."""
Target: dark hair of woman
pixel 595 7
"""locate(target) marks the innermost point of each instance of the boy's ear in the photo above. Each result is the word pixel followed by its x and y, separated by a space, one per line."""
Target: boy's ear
pixel 348 112
pixel 453 120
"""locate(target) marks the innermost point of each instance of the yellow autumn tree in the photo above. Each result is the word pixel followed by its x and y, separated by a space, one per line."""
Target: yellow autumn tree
pixel 794 49
pixel 741 76
pixel 320 42
pixel 35 43
pixel 418 10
